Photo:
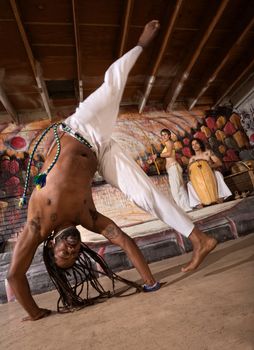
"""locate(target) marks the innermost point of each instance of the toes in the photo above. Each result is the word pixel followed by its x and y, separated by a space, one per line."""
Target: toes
pixel 187 268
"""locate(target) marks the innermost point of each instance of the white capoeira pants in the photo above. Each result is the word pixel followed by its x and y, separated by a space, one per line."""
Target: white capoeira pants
pixel 223 190
pixel 95 119
pixel 177 188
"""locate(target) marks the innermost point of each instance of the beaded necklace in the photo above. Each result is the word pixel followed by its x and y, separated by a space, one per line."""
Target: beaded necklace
pixel 77 136
pixel 40 179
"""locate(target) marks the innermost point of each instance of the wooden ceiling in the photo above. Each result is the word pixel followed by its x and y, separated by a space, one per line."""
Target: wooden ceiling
pixel 54 53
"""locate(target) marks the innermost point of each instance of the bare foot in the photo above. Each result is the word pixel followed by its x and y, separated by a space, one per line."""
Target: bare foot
pixel 202 246
pixel 220 200
pixel 41 314
pixel 149 32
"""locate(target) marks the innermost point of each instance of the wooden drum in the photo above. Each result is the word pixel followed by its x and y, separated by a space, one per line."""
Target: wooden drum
pixel 203 181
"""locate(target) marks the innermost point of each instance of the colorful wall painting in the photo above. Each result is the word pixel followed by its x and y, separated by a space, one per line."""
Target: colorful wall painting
pixel 138 134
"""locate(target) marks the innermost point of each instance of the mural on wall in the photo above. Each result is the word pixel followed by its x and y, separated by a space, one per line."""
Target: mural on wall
pixel 246 111
pixel 16 145
pixel 140 136
pixel 221 130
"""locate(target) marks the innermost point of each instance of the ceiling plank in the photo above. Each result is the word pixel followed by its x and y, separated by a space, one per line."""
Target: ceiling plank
pixel 234 84
pixel 42 89
pixel 125 27
pixel 78 50
pixel 245 92
pixel 222 63
pixel 174 93
pixel 158 59
pixel 8 106
pixel 33 63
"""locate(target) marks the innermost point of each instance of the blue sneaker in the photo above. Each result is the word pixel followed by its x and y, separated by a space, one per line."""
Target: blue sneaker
pixel 153 288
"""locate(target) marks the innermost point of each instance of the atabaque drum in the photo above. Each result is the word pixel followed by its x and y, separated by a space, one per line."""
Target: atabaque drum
pixel 242 166
pixel 203 181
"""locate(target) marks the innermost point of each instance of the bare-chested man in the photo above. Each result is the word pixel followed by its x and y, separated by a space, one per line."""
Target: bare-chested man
pixel 200 152
pixel 174 170
pixel 66 199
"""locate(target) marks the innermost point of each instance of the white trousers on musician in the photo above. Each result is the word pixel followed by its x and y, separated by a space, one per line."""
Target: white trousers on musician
pixel 177 188
pixel 95 119
pixel 223 190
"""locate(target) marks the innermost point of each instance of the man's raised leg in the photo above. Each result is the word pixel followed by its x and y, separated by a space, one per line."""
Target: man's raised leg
pixel 148 34
pixel 97 114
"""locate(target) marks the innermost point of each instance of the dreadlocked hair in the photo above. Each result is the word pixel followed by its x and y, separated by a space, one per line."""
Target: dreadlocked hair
pixel 70 282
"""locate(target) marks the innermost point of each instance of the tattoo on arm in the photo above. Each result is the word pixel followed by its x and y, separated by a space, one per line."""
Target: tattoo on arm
pixel 35 225
pixel 111 232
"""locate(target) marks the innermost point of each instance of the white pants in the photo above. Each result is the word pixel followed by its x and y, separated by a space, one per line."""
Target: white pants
pixel 223 190
pixel 95 119
pixel 178 191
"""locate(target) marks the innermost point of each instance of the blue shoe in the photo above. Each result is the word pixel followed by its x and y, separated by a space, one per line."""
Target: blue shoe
pixel 153 288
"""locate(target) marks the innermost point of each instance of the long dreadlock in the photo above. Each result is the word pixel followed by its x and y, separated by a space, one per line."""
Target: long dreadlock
pixel 70 282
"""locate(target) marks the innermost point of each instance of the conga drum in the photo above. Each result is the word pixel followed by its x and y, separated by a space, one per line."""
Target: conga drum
pixel 203 181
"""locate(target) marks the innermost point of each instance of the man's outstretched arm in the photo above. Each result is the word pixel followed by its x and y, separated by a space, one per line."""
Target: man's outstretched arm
pixel 22 257
pixel 115 235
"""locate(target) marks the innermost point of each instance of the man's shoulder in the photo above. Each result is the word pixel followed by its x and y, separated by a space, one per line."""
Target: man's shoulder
pixel 209 153
pixel 169 143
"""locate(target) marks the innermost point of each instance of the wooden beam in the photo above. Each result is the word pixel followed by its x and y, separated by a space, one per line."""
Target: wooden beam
pixel 235 82
pixel 8 106
pixel 42 88
pixel 78 50
pixel 33 63
pixel 158 59
pixel 179 82
pixel 223 62
pixel 125 27
pixel 244 93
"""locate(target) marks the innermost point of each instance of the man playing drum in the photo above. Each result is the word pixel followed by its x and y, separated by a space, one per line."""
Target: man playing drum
pixel 212 161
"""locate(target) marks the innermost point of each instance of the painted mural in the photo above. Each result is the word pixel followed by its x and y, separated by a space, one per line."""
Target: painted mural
pixel 246 112
pixel 221 130
pixel 16 145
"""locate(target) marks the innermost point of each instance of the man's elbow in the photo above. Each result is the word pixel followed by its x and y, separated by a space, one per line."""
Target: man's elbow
pixel 12 276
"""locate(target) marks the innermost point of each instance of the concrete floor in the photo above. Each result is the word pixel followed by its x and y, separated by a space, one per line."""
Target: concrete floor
pixel 210 309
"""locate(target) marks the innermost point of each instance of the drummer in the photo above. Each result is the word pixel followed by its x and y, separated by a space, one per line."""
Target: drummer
pixel 200 152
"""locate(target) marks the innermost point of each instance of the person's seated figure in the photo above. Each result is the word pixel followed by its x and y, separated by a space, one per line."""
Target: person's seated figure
pixel 200 152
